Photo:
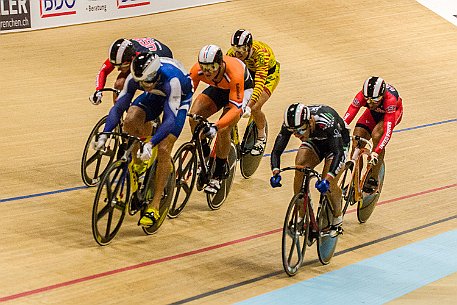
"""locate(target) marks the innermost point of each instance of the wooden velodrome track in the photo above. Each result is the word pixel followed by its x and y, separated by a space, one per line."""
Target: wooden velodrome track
pixel 326 50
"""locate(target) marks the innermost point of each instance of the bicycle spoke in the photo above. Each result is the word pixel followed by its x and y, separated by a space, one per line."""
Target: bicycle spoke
pixel 108 224
pixel 96 156
pixel 185 187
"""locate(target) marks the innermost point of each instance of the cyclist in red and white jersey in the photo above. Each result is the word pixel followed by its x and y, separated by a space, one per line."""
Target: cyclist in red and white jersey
pixel 121 54
pixel 384 112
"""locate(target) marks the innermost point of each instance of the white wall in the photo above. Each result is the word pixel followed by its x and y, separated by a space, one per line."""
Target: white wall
pixel 24 15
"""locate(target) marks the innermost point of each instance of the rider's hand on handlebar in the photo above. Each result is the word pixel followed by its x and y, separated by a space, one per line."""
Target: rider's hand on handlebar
pixel 96 99
pixel 275 180
pixel 323 186
pixel 100 143
pixel 373 158
pixel 210 131
pixel 147 152
pixel 247 112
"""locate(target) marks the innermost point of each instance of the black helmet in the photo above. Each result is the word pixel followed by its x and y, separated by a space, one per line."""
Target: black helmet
pixel 296 116
pixel 121 51
pixel 242 38
pixel 144 67
pixel 374 88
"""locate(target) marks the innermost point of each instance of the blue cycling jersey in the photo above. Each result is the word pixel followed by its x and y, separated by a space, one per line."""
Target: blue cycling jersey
pixel 172 95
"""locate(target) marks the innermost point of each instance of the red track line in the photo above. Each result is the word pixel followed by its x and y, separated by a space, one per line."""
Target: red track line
pixel 189 253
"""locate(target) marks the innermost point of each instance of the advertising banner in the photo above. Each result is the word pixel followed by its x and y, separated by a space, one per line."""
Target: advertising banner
pixel 21 15
pixel 14 15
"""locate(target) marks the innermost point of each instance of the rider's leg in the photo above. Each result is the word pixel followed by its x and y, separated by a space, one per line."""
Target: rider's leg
pixel 260 121
pixel 377 133
pixel 223 147
pixel 163 169
pixel 204 106
pixel 258 115
pixel 307 157
pixel 335 193
pixel 135 125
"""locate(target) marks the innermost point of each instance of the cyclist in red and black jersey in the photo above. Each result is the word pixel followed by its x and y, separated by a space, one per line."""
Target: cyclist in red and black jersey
pixel 121 54
pixel 384 112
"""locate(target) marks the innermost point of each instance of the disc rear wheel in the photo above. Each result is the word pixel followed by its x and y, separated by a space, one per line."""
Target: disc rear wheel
pixel 248 162
pixel 369 201
pixel 326 243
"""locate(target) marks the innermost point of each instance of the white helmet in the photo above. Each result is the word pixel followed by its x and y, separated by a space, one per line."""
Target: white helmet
pixel 210 54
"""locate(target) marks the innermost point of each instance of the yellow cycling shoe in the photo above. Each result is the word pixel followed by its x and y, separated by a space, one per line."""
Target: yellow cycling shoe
pixel 149 218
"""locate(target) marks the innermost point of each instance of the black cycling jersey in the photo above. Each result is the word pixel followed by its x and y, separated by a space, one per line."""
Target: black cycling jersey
pixel 330 138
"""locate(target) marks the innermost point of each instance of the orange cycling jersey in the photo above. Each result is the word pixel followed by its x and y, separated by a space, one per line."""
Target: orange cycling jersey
pixel 236 78
pixel 261 63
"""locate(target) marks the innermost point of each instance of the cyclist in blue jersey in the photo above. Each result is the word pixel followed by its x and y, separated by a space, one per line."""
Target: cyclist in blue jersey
pixel 167 89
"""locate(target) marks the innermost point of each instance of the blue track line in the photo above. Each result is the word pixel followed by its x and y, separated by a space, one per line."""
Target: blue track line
pixel 43 194
pixel 266 155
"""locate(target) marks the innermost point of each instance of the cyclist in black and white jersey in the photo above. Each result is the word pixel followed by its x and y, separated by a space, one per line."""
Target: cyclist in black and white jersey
pixel 324 136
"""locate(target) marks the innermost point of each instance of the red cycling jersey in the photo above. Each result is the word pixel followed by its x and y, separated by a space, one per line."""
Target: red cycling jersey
pixel 146 44
pixel 390 111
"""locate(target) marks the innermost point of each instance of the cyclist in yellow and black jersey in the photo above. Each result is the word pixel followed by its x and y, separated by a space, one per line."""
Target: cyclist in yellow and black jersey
pixel 261 62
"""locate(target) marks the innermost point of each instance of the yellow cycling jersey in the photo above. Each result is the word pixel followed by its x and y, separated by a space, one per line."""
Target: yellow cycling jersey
pixel 261 63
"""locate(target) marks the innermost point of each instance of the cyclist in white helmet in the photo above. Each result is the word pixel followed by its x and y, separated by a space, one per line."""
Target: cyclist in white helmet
pixel 230 87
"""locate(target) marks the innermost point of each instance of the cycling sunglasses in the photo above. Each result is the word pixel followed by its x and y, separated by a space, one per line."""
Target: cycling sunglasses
pixel 374 100
pixel 212 67
pixel 300 131
pixel 123 65
pixel 241 49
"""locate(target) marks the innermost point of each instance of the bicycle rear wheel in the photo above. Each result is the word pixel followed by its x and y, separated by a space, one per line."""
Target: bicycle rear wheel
pixel 167 196
pixel 110 203
pixel 295 234
pixel 369 201
pixel 185 162
pixel 95 162
pixel 326 243
pixel 215 201
pixel 248 162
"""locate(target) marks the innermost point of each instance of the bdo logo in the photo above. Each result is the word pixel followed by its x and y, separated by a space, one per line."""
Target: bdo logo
pixel 131 3
pixel 53 8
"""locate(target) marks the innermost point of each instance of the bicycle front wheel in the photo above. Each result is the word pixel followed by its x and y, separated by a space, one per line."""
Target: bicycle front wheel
pixel 165 201
pixel 248 162
pixel 295 234
pixel 369 201
pixel 110 203
pixel 326 242
pixel 185 162
pixel 95 162
pixel 215 201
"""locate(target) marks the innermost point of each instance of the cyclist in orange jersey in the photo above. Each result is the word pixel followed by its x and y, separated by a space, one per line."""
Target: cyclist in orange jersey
pixel 230 88
pixel 264 69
